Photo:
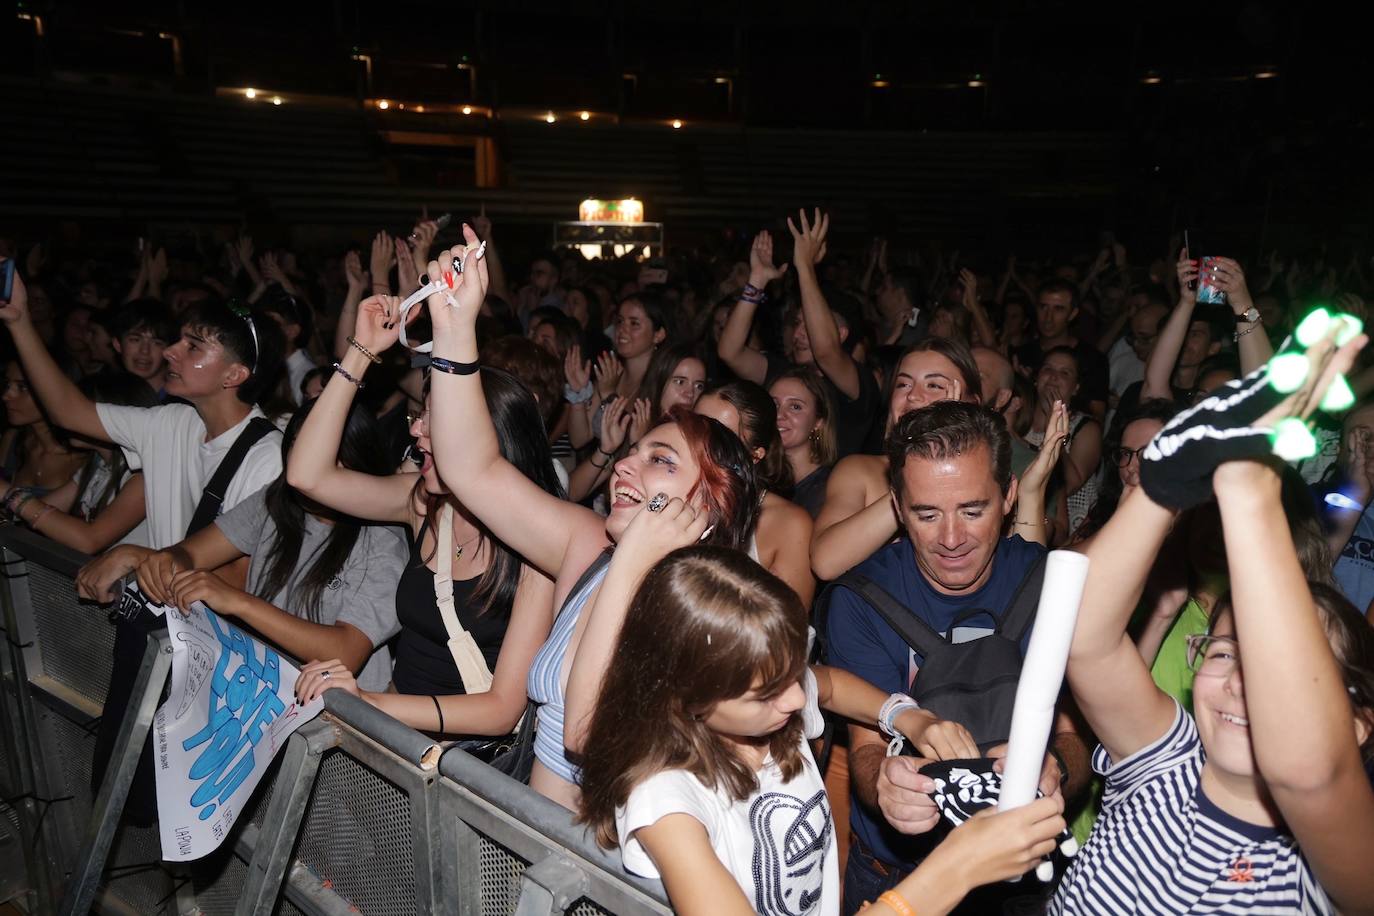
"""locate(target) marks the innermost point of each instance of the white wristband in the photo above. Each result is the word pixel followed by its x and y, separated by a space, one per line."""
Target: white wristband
pixel 893 705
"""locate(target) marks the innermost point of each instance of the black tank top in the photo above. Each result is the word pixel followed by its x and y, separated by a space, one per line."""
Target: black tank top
pixel 423 663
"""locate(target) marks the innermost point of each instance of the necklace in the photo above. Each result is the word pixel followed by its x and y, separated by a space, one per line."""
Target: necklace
pixel 458 551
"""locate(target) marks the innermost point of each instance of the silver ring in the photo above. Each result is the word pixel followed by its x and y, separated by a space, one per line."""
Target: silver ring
pixel 326 674
pixel 658 502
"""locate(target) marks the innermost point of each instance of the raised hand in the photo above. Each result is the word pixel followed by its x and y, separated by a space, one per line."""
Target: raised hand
pixel 761 269
pixel 378 323
pixel 609 369
pixel 808 242
pixel 615 423
pixel 383 256
pixel 358 279
pixel 17 308
pixel 464 290
pixel 243 247
pixel 481 224
pixel 969 281
pixel 422 239
pixel 641 419
pixel 1187 270
pixel 407 274
pixel 1229 277
pixel 577 373
pixel 1037 474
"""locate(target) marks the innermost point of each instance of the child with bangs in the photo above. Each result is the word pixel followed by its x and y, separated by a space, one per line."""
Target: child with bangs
pixel 697 762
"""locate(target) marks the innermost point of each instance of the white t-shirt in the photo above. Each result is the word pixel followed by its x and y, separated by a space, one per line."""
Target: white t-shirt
pixel 298 365
pixel 168 444
pixel 779 844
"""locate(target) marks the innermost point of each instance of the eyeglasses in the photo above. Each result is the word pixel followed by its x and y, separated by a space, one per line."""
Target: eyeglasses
pixel 1123 456
pixel 241 310
pixel 1213 656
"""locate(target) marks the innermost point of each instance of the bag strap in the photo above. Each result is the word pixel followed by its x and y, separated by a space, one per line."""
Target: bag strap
pixel 602 560
pixel 914 631
pixel 472 665
pixel 1024 604
pixel 212 497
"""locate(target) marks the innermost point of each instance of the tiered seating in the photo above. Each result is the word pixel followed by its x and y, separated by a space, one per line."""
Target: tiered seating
pixel 77 151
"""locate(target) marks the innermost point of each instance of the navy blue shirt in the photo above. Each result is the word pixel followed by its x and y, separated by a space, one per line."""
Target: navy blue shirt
pixel 861 642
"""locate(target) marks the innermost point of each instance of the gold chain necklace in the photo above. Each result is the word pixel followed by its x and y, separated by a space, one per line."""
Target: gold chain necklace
pixel 458 551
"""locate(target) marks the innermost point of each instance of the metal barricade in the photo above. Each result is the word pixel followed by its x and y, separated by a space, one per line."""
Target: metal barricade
pixel 362 814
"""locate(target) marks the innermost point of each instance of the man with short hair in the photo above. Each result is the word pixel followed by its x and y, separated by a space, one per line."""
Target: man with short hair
pixel 998 389
pixel 952 487
pixel 1056 308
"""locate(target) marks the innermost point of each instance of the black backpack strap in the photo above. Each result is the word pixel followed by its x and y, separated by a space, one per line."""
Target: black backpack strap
pixel 1021 612
pixel 212 497
pixel 913 630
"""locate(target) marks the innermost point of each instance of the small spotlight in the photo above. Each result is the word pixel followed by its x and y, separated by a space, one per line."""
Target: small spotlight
pixel 677 125
pixel 586 116
pixel 1151 78
pixel 976 84
pixel 880 84
pixel 722 80
pixel 276 100
pixel 251 93
pixel 467 109
pixel 419 108
pixel 1266 74
pixel 550 118
pixel 383 104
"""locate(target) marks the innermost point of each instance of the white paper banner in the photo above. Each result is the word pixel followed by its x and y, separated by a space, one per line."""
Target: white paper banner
pixel 231 707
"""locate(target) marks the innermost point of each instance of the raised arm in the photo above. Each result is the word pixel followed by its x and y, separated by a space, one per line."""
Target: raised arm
pixel 1109 679
pixel 312 467
pixel 64 402
pixel 496 272
pixel 1159 368
pixel 465 447
pixel 851 524
pixel 982 325
pixel 809 245
pixel 1299 710
pixel 1252 343
pixel 733 347
pixel 648 538
pixel 1031 514
pixel 358 282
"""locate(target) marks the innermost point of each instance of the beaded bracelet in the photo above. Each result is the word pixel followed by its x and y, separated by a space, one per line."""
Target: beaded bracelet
pixel 374 358
pixel 448 366
pixel 345 373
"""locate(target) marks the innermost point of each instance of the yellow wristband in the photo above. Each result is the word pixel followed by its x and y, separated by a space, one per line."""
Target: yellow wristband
pixel 897 902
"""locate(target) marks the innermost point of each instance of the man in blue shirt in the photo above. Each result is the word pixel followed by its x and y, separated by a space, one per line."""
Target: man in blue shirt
pixel 952 487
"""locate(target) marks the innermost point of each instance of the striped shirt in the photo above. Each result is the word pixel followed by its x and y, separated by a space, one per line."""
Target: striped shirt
pixel 547 682
pixel 1161 847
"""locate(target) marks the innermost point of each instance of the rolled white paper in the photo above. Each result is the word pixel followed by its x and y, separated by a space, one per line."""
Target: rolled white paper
pixel 1042 673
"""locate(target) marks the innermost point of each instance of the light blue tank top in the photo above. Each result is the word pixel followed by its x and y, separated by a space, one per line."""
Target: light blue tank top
pixel 545 683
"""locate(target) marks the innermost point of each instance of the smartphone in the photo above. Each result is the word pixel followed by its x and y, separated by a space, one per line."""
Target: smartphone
pixel 6 279
pixel 1188 247
pixel 443 220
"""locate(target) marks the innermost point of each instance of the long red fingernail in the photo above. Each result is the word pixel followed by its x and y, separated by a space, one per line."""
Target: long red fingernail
pixel 448 278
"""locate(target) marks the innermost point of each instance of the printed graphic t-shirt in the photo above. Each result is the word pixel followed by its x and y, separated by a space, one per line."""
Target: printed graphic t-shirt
pixel 779 844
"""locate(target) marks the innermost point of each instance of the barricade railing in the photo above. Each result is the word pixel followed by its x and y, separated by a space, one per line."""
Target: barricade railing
pixel 361 815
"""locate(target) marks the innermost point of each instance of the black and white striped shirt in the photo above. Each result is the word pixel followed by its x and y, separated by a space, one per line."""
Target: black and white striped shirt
pixel 1161 847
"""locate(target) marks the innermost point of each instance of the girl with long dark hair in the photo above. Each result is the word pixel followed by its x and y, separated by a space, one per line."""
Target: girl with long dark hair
pixel 445 681
pixel 697 761
pixel 103 503
pixel 318 581
pixel 686 456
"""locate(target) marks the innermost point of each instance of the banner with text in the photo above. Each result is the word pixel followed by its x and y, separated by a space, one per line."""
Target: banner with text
pixel 231 707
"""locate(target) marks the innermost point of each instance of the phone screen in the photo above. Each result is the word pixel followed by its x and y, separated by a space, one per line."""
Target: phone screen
pixel 6 279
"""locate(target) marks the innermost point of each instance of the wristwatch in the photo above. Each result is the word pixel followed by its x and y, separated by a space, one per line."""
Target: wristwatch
pixel 1249 316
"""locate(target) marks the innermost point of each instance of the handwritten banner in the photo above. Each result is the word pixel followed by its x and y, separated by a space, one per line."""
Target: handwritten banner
pixel 231 707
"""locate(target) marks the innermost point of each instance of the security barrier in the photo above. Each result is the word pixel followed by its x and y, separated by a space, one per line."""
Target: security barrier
pixel 362 813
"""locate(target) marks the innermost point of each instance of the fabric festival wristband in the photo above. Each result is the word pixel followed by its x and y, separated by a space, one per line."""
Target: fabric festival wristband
pixel 894 704
pixel 427 290
pixel 439 364
pixel 578 395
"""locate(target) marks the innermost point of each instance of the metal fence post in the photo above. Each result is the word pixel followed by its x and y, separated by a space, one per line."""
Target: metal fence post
pixel 549 887
pixel 114 791
pixel 282 822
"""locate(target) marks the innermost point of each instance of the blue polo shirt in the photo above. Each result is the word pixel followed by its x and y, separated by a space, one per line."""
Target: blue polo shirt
pixel 861 642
